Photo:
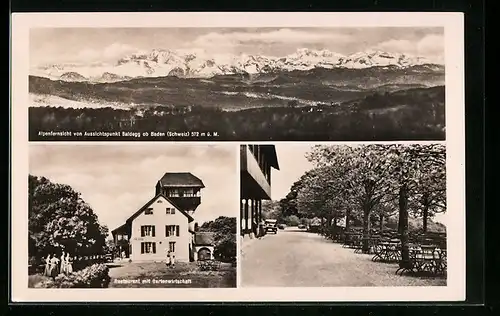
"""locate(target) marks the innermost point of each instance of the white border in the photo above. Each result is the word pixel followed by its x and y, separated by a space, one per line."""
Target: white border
pixel 453 24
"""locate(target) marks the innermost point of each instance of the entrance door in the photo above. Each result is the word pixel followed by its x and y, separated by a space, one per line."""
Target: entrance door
pixel 204 254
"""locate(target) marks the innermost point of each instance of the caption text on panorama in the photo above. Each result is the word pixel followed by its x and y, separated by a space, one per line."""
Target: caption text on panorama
pixel 124 134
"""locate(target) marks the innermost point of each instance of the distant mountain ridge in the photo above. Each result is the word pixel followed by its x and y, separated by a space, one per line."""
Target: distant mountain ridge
pixel 198 64
pixel 310 87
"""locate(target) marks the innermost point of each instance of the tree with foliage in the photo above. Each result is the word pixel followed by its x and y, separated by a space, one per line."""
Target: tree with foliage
pixel 321 196
pixel 362 177
pixel 224 229
pixel 59 219
pixel 384 211
pixel 288 204
pixel 292 220
pixel 408 166
pixel 271 210
pixel 430 192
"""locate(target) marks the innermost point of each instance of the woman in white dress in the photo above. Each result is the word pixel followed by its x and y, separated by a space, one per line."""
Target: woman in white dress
pixel 63 263
pixel 47 266
pixel 69 264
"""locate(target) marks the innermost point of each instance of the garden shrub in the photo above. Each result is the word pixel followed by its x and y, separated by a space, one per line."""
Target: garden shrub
pixel 94 276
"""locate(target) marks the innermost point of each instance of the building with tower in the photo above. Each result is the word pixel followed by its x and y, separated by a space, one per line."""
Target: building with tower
pixel 166 223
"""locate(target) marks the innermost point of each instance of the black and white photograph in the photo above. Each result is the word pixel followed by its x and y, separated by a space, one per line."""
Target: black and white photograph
pixel 141 215
pixel 354 215
pixel 243 83
pixel 238 157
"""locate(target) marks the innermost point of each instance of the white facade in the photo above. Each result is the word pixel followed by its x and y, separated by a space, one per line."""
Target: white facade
pixel 158 228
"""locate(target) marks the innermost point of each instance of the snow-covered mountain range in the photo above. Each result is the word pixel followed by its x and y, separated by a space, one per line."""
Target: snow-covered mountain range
pixel 198 64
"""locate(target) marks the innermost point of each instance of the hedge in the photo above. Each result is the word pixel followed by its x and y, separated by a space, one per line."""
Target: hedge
pixel 94 276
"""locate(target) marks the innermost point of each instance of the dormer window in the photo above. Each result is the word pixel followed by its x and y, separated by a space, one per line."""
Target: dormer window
pixel 149 211
pixel 170 210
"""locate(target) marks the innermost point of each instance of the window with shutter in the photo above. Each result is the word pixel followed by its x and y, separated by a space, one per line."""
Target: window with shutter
pixel 177 230
pixel 147 230
pixel 148 247
pixel 169 230
pixel 171 246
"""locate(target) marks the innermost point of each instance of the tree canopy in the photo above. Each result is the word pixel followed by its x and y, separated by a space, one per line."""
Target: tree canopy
pixel 372 183
pixel 59 219
pixel 224 229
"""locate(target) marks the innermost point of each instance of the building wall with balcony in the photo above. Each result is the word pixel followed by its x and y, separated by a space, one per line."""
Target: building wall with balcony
pixel 255 173
pixel 256 162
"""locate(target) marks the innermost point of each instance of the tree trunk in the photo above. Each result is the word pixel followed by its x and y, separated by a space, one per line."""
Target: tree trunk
pixel 335 219
pixel 426 216
pixel 425 213
pixel 328 221
pixel 347 220
pixel 381 223
pixel 403 223
pixel 366 228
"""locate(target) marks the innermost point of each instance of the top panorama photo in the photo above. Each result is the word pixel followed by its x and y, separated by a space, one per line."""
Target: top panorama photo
pixel 237 84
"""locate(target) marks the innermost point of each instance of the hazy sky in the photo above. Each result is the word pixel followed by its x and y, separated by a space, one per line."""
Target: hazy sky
pixel 117 180
pixel 56 45
pixel 293 164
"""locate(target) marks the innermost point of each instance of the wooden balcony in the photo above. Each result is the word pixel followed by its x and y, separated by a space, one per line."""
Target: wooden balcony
pixel 254 183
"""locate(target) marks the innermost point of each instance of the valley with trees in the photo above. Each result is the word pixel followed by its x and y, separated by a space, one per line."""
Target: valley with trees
pixel 375 103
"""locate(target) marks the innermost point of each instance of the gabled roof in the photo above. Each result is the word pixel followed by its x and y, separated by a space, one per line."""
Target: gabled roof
pixel 119 229
pixel 180 179
pixel 204 238
pixel 134 216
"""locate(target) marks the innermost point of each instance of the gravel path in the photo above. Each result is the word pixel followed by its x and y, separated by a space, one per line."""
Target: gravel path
pixel 302 259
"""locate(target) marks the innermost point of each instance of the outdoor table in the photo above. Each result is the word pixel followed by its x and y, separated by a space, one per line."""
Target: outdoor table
pixel 347 239
pixel 427 258
pixel 441 262
pixel 359 244
pixel 209 265
pixel 356 242
pixel 387 252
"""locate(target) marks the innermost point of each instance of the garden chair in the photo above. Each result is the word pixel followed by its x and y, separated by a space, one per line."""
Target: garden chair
pixel 357 243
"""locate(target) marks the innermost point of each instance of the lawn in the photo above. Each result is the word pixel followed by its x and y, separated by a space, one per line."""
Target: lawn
pixel 158 275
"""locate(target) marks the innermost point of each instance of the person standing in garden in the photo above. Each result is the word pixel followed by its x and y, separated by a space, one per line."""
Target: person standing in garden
pixel 47 266
pixel 63 264
pixel 54 263
pixel 169 259
pixel 172 259
pixel 69 264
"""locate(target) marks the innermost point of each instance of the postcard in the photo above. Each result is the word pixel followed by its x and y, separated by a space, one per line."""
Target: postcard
pixel 238 157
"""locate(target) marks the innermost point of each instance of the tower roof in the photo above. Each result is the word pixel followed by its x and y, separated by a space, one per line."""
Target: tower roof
pixel 180 179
